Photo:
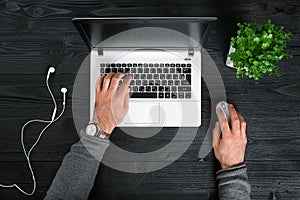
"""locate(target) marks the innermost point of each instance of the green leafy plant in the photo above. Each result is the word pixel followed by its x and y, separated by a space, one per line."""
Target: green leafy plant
pixel 258 48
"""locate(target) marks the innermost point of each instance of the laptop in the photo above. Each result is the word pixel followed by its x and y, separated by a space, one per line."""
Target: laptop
pixel 163 55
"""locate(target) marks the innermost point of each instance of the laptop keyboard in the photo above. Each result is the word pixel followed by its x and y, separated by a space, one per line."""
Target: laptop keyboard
pixel 153 80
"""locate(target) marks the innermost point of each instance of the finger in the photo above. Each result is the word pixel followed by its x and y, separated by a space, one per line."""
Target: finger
pixel 216 135
pixel 115 81
pixel 223 123
pixel 99 84
pixel 126 101
pixel 235 121
pixel 243 124
pixel 106 81
pixel 124 87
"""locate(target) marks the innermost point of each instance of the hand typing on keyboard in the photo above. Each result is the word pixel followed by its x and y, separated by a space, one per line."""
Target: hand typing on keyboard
pixel 112 102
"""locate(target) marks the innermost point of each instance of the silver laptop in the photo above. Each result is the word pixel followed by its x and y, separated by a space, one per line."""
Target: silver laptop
pixel 163 55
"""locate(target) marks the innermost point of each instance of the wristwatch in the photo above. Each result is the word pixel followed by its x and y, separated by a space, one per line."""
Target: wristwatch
pixel 93 129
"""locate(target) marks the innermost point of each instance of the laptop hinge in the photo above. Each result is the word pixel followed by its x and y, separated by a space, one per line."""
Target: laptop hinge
pixel 100 51
pixel 191 52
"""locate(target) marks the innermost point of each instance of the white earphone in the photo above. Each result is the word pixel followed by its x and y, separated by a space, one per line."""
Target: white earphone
pixel 49 122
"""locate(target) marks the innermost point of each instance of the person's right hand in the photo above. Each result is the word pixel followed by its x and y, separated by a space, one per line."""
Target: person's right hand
pixel 230 147
pixel 112 103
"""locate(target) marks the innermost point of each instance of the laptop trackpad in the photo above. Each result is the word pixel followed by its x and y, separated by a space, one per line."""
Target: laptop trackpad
pixel 142 113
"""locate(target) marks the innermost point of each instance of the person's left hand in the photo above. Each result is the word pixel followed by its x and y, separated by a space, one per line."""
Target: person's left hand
pixel 111 103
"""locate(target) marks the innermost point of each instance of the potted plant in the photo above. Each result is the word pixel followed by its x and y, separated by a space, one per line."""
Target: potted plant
pixel 257 49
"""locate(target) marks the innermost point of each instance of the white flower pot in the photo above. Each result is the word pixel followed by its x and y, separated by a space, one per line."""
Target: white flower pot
pixel 229 62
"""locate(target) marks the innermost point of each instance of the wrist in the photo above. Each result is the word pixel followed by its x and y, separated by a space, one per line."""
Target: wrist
pixel 105 127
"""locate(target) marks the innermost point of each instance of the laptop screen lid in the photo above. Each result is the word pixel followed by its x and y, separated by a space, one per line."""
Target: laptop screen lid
pixel 144 32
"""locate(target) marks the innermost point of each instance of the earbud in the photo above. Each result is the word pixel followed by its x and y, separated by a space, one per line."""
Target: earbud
pixel 50 71
pixel 64 91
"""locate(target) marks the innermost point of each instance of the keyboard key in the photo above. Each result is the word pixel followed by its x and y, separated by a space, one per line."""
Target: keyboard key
pixel 107 70
pixel 164 82
pixel 101 71
pixel 181 95
pixel 167 95
pixel 175 76
pixel 181 76
pixel 161 64
pixel 138 82
pixel 126 70
pixel 162 76
pixel 119 65
pixel 166 70
pixel 167 65
pixel 159 70
pixel 189 65
pixel 146 70
pixel 102 65
pixel 136 76
pixel 177 82
pixel 169 76
pixel 188 95
pixel 154 88
pixel 143 76
pixel 135 88
pixel 150 65
pixel 187 70
pixel 115 70
pixel 157 82
pixel 134 65
pixel 167 88
pixel 183 65
pixel 140 65
pixel 144 95
pixel 156 65
pixel 141 88
pixel 174 88
pixel 132 82
pixel 112 65
pixel 174 95
pixel 149 76
pixel 161 95
pixel 107 65
pixel 172 65
pixel 185 82
pixel 148 88
pixel 177 65
pixel 184 88
pixel 178 70
pixel 151 82
pixel 129 65
pixel 140 70
pixel 172 70
pixel 153 70
pixel 156 76
pixel 161 88
pixel 124 65
pixel 133 70
pixel 120 69
pixel 188 78
pixel 144 82
pixel 146 65
pixel 170 82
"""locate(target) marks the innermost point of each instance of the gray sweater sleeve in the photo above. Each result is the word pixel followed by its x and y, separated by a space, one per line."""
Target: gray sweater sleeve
pixel 233 183
pixel 76 175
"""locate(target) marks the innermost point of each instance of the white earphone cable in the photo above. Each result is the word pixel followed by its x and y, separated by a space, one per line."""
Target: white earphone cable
pixel 27 154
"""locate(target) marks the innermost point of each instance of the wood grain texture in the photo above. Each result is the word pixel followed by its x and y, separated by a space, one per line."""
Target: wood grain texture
pixel 34 34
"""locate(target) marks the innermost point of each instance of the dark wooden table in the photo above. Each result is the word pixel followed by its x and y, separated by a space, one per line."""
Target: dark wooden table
pixel 35 34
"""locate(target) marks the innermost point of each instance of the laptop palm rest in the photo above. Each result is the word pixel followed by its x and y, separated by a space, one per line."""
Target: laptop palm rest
pixel 143 113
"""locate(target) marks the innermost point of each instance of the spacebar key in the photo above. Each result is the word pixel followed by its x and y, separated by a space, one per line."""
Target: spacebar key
pixel 143 95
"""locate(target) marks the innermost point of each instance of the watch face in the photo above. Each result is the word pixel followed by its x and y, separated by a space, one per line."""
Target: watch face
pixel 91 129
